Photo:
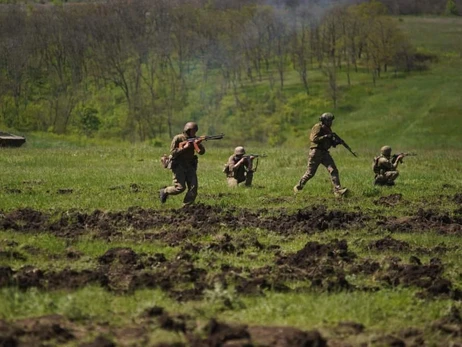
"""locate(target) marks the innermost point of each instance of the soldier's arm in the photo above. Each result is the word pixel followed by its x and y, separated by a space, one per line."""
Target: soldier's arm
pixel 397 161
pixel 175 150
pixel 201 149
pixel 231 164
pixel 316 136
pixel 385 165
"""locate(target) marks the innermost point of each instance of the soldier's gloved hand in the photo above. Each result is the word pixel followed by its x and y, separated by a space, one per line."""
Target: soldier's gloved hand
pixel 329 136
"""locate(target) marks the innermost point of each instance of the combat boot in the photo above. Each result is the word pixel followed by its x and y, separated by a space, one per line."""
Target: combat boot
pixel 163 196
pixel 297 188
pixel 339 191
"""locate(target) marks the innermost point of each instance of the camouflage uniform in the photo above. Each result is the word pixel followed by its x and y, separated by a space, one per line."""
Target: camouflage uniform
pixel 384 169
pixel 238 174
pixel 184 167
pixel 321 142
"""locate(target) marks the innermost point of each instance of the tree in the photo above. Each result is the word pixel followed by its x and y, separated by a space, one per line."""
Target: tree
pixel 451 8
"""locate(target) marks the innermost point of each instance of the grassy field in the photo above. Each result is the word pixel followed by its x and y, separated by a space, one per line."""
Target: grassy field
pixel 67 206
pixel 118 178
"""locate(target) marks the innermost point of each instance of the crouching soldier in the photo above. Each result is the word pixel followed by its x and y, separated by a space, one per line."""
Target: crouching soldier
pixel 385 167
pixel 239 168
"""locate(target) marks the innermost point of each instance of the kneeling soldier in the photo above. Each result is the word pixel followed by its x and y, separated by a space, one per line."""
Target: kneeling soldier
pixel 239 168
pixel 385 168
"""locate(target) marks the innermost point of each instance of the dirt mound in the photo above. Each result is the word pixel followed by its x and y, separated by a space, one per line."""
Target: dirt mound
pixel 427 277
pixel 220 334
pixel 322 264
pixel 450 324
pixel 199 218
pixel 390 200
pixel 389 243
pixel 425 220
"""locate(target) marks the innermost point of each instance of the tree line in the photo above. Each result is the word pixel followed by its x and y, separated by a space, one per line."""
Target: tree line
pixel 137 69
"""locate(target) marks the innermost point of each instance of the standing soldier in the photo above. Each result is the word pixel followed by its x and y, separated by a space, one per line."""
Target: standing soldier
pixel 239 168
pixel 184 164
pixel 321 138
pixel 385 168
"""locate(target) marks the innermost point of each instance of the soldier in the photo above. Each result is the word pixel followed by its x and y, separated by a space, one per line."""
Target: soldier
pixel 385 168
pixel 321 138
pixel 184 164
pixel 239 168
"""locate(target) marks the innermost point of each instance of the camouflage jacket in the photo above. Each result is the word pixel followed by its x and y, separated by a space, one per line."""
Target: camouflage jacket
pixel 232 171
pixel 319 138
pixel 186 155
pixel 382 164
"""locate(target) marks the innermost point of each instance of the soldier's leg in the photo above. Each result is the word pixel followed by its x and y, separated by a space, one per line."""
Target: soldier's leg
pixel 329 163
pixel 192 183
pixel 179 182
pixel 249 178
pixel 232 182
pixel 314 159
pixel 380 180
pixel 391 176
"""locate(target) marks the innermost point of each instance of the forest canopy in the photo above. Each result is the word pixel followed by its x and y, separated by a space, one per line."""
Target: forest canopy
pixel 137 70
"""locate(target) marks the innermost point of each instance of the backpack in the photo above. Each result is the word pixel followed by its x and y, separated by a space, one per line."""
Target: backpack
pixel 375 165
pixel 226 169
pixel 166 161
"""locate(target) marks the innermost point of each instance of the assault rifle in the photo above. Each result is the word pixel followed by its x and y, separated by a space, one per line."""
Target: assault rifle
pixel 338 141
pixel 202 138
pixel 394 157
pixel 255 156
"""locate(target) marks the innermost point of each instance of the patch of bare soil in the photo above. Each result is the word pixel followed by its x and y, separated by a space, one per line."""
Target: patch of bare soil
pixel 451 324
pixel 389 243
pixel 322 264
pixel 55 329
pixel 425 276
pixel 424 220
pixel 389 200
pixel 200 218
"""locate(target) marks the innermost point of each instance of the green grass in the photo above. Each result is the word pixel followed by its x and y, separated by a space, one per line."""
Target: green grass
pixel 117 178
pixel 419 112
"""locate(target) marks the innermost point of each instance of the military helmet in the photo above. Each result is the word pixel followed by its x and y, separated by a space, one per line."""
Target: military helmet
pixel 190 126
pixel 239 150
pixel 326 117
pixel 386 151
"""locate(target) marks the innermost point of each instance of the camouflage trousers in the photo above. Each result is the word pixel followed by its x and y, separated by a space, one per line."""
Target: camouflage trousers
pixel 386 178
pixel 247 178
pixel 315 158
pixel 184 176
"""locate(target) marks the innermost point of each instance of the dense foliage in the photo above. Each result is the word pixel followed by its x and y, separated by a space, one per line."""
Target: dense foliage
pixel 138 70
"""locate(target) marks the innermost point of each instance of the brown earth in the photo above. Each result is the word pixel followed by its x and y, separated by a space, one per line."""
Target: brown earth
pixel 317 266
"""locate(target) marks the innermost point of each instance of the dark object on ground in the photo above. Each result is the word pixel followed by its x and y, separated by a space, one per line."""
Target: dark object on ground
pixel 10 140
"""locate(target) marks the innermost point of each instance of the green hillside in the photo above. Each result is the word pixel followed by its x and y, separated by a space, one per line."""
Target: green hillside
pixel 421 110
pixel 387 79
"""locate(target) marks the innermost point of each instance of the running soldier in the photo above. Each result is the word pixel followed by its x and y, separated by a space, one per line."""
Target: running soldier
pixel 322 139
pixel 184 164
